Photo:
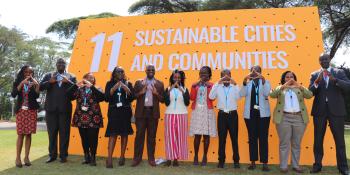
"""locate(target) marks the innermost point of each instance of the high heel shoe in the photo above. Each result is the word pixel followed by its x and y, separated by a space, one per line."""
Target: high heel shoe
pixel 27 162
pixel 19 165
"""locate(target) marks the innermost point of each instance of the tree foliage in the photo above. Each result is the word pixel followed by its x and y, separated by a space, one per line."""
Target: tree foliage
pixel 67 28
pixel 16 50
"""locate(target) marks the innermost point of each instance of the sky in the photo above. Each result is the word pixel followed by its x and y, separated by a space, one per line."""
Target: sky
pixel 35 16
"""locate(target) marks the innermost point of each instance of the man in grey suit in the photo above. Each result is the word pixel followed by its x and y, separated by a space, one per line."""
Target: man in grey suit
pixel 58 109
pixel 327 85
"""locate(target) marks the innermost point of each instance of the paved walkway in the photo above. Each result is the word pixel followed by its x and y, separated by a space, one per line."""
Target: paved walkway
pixel 41 126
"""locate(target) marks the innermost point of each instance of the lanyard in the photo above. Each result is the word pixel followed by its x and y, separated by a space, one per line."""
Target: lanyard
pixel 226 95
pixel 291 97
pixel 26 88
pixel 87 91
pixel 201 94
pixel 256 88
pixel 119 93
pixel 176 93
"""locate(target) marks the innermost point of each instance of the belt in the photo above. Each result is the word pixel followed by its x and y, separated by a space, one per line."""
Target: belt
pixel 148 107
pixel 227 112
pixel 292 113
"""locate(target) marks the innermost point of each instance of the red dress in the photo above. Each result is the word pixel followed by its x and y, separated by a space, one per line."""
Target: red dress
pixel 26 119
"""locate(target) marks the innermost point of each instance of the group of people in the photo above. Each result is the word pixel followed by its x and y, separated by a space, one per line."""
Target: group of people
pixel 290 114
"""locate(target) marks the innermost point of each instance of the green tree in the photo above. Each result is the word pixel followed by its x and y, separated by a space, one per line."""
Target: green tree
pixel 67 28
pixel 164 6
pixel 16 49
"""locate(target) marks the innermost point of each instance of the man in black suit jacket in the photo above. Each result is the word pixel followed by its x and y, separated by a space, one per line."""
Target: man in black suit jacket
pixel 58 109
pixel 327 85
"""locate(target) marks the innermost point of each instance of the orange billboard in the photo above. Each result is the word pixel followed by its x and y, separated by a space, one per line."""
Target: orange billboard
pixel 276 39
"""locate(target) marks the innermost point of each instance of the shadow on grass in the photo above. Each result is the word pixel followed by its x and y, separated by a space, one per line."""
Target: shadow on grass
pixel 74 166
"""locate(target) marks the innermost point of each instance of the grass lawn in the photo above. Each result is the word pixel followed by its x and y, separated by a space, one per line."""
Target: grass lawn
pixel 39 154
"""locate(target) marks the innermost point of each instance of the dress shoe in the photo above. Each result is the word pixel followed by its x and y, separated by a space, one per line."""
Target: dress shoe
pixel 195 160
pixel 344 172
pixel 204 161
pixel 63 160
pixel 93 160
pixel 50 159
pixel 121 161
pixel 152 163
pixel 135 163
pixel 87 158
pixel 252 166
pixel 284 170
pixel 109 163
pixel 265 167
pixel 298 170
pixel 315 170
pixel 167 163
pixel 175 163
pixel 220 164
pixel 236 165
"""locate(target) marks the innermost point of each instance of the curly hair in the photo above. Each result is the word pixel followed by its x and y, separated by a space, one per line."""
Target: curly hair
pixel 284 76
pixel 182 77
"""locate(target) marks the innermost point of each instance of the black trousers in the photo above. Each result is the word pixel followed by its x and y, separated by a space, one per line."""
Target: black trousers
pixel 258 131
pixel 149 123
pixel 58 123
pixel 228 122
pixel 89 139
pixel 336 125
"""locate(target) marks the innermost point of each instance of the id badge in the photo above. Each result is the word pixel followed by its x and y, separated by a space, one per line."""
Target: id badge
pixel 84 108
pixel 119 105
pixel 256 107
pixel 25 107
pixel 226 111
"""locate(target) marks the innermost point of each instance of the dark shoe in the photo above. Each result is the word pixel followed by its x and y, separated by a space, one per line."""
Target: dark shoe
pixel 109 163
pixel 63 160
pixel 204 161
pixel 284 170
pixel 19 164
pixel 135 163
pixel 167 163
pixel 344 172
pixel 27 162
pixel 175 163
pixel 93 160
pixel 121 161
pixel 86 158
pixel 298 170
pixel 152 163
pixel 265 167
pixel 315 170
pixel 252 166
pixel 50 159
pixel 195 160
pixel 220 164
pixel 236 165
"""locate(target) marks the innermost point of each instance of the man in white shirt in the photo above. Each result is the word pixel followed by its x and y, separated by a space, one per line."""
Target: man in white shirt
pixel 226 91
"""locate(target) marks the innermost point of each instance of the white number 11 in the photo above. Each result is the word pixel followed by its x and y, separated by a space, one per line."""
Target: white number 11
pixel 99 39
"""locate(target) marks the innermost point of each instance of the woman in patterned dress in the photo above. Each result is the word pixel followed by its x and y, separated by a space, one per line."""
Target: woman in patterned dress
pixel 87 116
pixel 176 98
pixel 203 118
pixel 26 89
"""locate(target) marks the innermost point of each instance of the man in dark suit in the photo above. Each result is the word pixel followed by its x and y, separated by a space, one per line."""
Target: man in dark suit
pixel 149 93
pixel 326 85
pixel 58 109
